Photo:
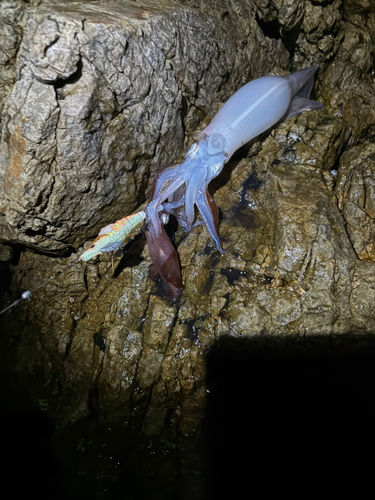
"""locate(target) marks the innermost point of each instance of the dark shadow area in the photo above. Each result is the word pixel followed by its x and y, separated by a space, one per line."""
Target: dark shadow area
pixel 130 254
pixel 271 29
pixel 73 78
pixel 85 460
pixel 28 463
pixel 5 268
pixel 283 414
pixel 103 463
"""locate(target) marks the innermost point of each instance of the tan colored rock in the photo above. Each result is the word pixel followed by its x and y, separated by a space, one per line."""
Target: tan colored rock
pixel 355 191
pixel 102 96
pixel 82 139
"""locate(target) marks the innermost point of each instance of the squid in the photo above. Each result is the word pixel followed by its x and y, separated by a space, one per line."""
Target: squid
pixel 252 110
pixel 177 189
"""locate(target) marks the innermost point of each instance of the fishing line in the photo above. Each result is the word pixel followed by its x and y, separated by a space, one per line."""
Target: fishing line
pixel 28 293
pixel 110 238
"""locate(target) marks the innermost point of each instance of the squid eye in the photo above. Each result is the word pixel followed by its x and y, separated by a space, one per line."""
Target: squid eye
pixel 193 148
pixel 216 143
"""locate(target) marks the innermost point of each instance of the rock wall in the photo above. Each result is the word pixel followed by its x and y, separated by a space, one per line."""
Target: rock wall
pixel 106 93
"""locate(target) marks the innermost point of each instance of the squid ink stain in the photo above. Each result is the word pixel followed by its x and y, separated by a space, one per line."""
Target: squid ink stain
pixel 208 249
pixel 192 328
pixel 252 183
pixel 232 274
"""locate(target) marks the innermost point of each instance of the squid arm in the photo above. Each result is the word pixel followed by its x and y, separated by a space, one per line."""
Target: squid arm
pixel 252 110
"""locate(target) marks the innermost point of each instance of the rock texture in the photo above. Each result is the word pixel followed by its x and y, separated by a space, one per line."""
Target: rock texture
pixel 356 197
pixel 103 95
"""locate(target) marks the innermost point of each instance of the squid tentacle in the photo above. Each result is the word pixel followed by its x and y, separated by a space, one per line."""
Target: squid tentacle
pixel 209 211
pixel 252 110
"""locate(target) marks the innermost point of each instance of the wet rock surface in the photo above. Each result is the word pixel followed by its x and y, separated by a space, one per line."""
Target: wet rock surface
pixel 106 93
